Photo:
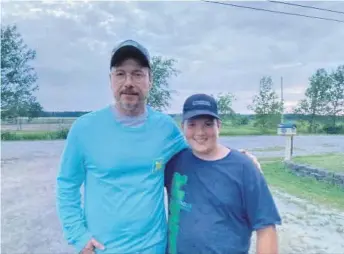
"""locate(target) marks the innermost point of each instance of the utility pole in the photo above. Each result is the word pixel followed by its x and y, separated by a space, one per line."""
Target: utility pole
pixel 282 101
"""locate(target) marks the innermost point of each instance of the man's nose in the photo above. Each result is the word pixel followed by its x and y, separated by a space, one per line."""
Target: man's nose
pixel 128 80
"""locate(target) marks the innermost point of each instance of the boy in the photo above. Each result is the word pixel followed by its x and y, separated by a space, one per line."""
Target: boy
pixel 217 197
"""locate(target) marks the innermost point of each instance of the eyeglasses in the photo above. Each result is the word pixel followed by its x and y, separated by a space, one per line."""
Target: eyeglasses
pixel 136 76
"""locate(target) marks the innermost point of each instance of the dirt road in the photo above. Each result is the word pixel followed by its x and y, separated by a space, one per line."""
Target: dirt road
pixel 29 223
pixel 308 228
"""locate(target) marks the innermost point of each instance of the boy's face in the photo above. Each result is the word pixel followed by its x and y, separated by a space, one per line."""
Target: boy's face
pixel 201 133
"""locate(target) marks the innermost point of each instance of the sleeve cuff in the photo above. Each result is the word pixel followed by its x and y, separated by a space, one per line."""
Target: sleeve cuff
pixel 267 224
pixel 82 241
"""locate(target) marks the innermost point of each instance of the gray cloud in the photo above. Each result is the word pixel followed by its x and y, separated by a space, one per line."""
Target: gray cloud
pixel 218 48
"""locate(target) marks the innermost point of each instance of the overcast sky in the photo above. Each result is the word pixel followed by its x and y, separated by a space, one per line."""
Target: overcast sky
pixel 218 48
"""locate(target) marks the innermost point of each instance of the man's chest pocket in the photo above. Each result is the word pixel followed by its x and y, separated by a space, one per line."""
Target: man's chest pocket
pixel 120 164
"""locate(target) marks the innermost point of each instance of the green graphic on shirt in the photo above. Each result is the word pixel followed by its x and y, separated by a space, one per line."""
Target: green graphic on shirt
pixel 176 204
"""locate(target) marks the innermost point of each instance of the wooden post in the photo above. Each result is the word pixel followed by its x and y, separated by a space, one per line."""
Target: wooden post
pixel 288 148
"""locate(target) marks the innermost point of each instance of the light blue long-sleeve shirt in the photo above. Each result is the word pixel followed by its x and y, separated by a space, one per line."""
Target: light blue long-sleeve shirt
pixel 122 169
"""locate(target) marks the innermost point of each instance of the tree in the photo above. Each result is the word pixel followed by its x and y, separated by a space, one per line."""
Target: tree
pixel 162 70
pixel 224 104
pixel 18 78
pixel 335 94
pixel 266 105
pixel 316 97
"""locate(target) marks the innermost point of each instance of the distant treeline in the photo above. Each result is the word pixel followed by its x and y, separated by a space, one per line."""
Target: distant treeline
pixel 318 118
pixel 287 117
pixel 62 113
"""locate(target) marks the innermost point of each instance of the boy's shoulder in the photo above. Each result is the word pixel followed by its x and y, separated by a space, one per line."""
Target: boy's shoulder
pixel 235 156
pixel 182 155
pixel 241 158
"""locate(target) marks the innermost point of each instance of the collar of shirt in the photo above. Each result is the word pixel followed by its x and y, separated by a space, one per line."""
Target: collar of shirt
pixel 133 121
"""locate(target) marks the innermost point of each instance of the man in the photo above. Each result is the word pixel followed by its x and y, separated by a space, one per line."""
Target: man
pixel 119 154
pixel 217 197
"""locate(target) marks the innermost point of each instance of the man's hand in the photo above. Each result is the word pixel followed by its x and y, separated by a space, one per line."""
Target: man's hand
pixel 253 158
pixel 91 246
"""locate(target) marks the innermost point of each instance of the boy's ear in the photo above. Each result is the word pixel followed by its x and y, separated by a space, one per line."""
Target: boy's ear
pixel 219 123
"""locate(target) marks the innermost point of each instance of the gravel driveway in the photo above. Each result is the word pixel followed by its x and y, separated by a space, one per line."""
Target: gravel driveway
pixel 29 223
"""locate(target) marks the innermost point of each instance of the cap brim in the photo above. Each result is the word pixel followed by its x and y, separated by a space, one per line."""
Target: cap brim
pixel 129 51
pixel 195 113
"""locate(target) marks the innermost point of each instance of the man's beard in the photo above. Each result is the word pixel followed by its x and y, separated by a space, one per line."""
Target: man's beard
pixel 132 108
pixel 129 106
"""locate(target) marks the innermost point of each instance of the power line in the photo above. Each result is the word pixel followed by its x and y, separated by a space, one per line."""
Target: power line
pixel 306 6
pixel 279 12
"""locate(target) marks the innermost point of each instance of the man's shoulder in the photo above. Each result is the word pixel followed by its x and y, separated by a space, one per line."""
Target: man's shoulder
pixel 160 116
pixel 90 118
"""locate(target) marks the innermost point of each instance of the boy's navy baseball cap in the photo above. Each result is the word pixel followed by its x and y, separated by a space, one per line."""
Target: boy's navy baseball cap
pixel 130 49
pixel 198 105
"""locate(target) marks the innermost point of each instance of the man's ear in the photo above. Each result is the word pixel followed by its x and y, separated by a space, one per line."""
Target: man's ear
pixel 150 79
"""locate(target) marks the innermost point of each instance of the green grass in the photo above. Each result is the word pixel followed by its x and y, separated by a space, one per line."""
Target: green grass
pixel 34 135
pixel 273 149
pixel 50 135
pixel 269 149
pixel 332 162
pixel 244 130
pixel 228 129
pixel 278 176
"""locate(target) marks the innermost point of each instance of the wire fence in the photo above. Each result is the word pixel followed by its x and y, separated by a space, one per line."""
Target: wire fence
pixel 37 124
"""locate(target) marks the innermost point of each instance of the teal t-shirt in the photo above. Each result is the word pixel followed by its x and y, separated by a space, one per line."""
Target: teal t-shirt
pixel 122 169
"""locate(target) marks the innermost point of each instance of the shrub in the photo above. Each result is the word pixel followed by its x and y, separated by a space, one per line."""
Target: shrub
pixel 329 129
pixel 62 134
pixel 6 135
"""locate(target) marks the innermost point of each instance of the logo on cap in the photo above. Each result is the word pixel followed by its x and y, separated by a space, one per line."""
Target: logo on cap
pixel 204 103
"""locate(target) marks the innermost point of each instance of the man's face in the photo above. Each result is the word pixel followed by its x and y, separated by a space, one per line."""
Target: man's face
pixel 202 133
pixel 130 83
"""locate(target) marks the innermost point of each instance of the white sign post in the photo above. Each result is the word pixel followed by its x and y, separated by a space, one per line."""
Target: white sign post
pixel 287 130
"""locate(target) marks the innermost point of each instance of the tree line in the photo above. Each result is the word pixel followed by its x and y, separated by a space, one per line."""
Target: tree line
pixel 321 109
pixel 323 99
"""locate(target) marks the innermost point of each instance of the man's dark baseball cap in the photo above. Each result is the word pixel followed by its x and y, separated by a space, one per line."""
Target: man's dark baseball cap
pixel 130 49
pixel 198 105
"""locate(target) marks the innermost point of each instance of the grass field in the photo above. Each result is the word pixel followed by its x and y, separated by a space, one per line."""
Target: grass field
pixel 332 162
pixel 244 130
pixel 228 129
pixel 34 135
pixel 269 149
pixel 278 176
pixel 47 127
